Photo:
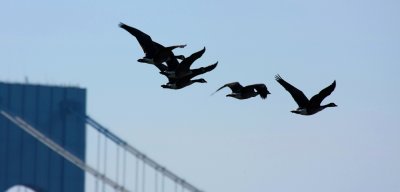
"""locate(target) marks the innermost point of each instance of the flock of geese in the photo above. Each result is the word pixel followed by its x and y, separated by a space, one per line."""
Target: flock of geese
pixel 177 69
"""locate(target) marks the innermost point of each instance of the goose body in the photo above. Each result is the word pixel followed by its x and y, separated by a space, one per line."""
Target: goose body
pixel 155 53
pixel 240 92
pixel 305 106
pixel 181 82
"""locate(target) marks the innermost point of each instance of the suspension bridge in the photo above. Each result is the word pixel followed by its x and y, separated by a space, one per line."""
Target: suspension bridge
pixel 43 132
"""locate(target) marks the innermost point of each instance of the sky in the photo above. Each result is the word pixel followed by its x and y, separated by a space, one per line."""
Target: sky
pixel 219 143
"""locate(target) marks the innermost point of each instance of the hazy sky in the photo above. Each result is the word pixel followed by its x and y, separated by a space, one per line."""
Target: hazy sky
pixel 221 144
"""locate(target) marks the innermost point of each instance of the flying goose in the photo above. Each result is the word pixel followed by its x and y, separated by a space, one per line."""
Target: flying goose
pixel 183 68
pixel 155 53
pixel 240 92
pixel 181 82
pixel 307 107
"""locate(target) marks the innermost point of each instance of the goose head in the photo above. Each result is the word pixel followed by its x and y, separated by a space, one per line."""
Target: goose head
pixel 181 57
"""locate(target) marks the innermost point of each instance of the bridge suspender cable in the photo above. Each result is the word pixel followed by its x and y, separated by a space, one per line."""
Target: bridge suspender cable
pixel 98 160
pixel 156 180
pixel 137 175
pixel 124 169
pixel 162 183
pixel 117 166
pixel 105 162
pixel 143 177
pixel 60 150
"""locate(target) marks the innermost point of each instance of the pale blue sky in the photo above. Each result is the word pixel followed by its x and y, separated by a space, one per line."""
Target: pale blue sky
pixel 218 143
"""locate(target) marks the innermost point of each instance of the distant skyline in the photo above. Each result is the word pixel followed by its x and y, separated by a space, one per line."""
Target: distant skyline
pixel 219 143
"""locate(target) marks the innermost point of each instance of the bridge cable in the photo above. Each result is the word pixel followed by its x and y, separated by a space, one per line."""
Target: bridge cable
pixel 146 160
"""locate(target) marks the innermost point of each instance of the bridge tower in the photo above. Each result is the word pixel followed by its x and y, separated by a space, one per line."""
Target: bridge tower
pixel 26 161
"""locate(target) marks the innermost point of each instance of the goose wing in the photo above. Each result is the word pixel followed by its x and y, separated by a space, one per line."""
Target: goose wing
pixel 316 100
pixel 202 70
pixel 298 96
pixel 184 66
pixel 149 47
pixel 261 89
pixel 234 86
